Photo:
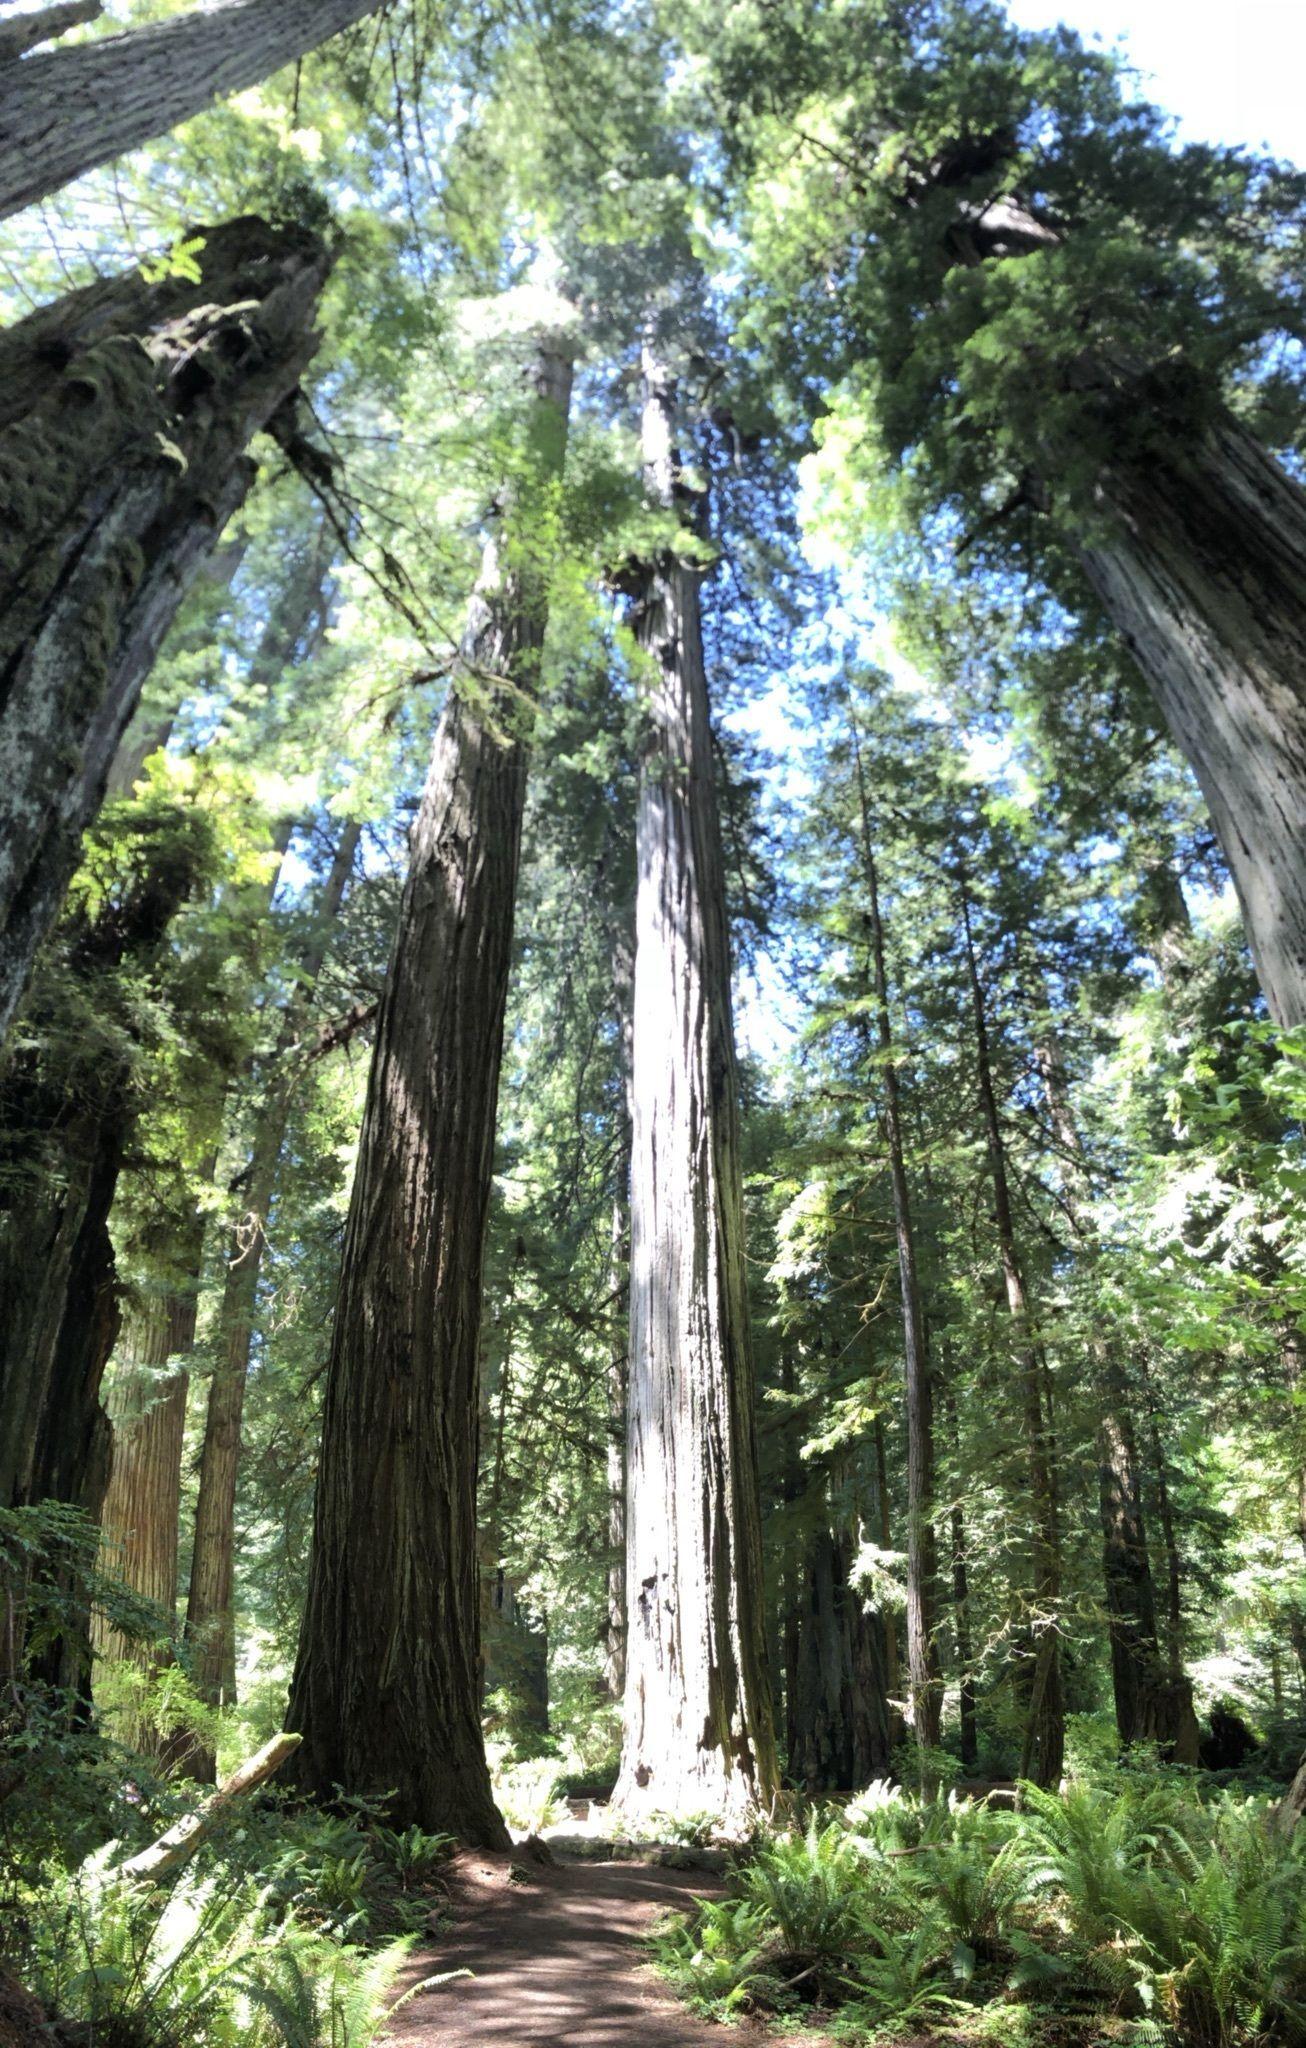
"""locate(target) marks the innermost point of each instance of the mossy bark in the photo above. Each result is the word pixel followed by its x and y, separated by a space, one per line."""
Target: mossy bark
pixel 125 412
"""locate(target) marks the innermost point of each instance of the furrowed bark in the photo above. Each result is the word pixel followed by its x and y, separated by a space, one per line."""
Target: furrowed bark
pixel 210 1631
pixel 614 1665
pixel 146 1406
pixel 839 1715
pixel 63 112
pixel 1205 578
pixel 1043 1751
pixel 125 412
pixel 386 1686
pixel 698 1733
pixel 44 26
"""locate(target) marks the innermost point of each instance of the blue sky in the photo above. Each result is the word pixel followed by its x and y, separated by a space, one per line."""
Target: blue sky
pixel 1229 70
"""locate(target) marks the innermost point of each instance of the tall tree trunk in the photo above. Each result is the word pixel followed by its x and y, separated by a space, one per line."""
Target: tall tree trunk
pixel 887 1619
pixel 698 1732
pixel 1151 1705
pixel 62 1148
pixel 210 1632
pixel 146 1406
pixel 614 1674
pixel 1043 1750
pixel 66 111
pixel 386 1686
pixel 839 1715
pixel 969 1746
pixel 924 1688
pixel 125 411
pixel 1204 575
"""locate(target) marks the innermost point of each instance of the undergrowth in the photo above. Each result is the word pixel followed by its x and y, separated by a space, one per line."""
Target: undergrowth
pixel 1108 1912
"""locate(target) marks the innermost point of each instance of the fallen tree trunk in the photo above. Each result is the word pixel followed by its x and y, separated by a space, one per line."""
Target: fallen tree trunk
pixel 183 1838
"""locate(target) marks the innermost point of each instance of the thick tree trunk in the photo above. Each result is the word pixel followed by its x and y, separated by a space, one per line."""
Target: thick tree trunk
pixel 386 1686
pixel 125 412
pixel 146 1405
pixel 210 1631
pixel 63 112
pixel 1204 575
pixel 839 1715
pixel 925 1691
pixel 1043 1750
pixel 698 1733
pixel 614 1662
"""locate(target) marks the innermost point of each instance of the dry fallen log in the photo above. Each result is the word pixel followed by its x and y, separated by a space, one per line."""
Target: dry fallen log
pixel 183 1838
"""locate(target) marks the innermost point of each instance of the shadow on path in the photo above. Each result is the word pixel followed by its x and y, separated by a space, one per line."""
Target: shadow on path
pixel 557 1959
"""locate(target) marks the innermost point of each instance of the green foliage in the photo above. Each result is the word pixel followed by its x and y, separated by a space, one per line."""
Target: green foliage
pixel 1184 1915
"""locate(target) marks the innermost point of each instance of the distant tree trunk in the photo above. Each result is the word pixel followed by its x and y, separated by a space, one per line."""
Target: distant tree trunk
pixel 887 1620
pixel 210 1631
pixel 125 411
pixel 698 1732
pixel 63 112
pixel 62 1150
pixel 969 1745
pixel 1043 1750
pixel 386 1686
pixel 924 1686
pixel 1152 1705
pixel 146 1406
pixel 1204 575
pixel 839 1715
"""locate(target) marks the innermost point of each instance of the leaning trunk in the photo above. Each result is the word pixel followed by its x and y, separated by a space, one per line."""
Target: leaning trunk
pixel 66 111
pixel 698 1733
pixel 1204 575
pixel 125 412
pixel 386 1685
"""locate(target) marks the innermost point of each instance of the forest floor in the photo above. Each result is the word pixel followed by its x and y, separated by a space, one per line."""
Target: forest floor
pixel 556 1956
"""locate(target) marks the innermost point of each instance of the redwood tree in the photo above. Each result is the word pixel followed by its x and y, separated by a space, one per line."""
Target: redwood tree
pixel 64 111
pixel 125 412
pixel 386 1685
pixel 698 1733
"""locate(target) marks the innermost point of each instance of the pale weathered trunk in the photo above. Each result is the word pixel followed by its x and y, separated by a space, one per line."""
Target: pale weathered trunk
pixel 1043 1749
pixel 387 1681
pixel 45 25
pixel 614 1661
pixel 210 1632
pixel 698 1734
pixel 66 111
pixel 125 412
pixel 1204 574
pixel 925 1690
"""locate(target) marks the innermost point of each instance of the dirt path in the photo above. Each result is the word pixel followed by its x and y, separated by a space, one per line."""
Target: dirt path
pixel 556 1960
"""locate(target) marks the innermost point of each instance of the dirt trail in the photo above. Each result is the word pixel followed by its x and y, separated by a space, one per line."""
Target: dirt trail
pixel 556 1959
